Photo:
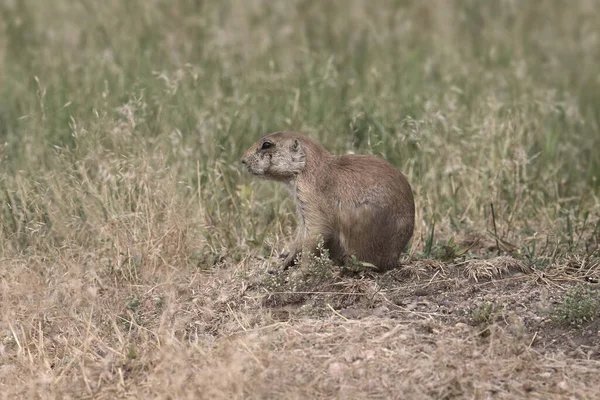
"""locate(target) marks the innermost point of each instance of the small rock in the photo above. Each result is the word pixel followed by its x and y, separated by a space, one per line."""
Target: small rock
pixel 369 354
pixel 461 326
pixel 352 313
pixel 380 311
pixel 336 368
pixel 563 385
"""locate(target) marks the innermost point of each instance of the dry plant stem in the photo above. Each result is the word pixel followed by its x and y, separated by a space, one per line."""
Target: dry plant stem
pixel 495 231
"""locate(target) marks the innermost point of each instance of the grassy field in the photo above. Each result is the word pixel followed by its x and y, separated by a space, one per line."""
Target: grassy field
pixel 134 247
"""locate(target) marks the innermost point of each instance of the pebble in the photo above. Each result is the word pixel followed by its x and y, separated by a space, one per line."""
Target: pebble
pixel 336 368
pixel 462 326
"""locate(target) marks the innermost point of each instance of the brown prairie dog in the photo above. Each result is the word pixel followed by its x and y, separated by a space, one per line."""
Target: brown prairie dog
pixel 361 205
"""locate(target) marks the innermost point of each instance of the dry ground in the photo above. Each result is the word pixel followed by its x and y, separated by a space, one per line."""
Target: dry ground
pixel 81 332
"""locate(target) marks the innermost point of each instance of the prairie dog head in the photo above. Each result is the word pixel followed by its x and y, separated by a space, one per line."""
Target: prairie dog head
pixel 279 156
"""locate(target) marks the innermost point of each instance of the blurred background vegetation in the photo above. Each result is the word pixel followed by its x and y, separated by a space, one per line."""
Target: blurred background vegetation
pixel 121 122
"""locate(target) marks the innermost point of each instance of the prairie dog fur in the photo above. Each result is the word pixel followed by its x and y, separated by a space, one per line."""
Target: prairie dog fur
pixel 361 205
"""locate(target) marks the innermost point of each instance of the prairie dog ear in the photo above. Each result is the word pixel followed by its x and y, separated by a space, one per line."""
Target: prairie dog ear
pixel 295 145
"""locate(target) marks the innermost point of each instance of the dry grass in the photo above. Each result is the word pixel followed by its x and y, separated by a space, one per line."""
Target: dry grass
pixel 200 335
pixel 134 251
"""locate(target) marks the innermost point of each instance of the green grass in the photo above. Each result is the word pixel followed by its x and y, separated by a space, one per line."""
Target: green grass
pixel 126 220
pixel 478 104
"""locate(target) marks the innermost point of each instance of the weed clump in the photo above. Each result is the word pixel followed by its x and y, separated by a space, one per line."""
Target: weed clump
pixel 448 251
pixel 580 305
pixel 486 313
pixel 355 266
pixel 314 268
pixel 315 275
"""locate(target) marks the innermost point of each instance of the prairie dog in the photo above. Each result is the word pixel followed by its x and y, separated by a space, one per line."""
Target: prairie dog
pixel 361 205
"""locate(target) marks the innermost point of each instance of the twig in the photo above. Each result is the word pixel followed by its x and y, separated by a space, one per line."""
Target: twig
pixel 495 231
pixel 236 317
pixel 336 313
pixel 533 339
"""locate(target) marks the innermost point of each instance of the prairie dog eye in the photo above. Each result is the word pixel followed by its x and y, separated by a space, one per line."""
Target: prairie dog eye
pixel 266 145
